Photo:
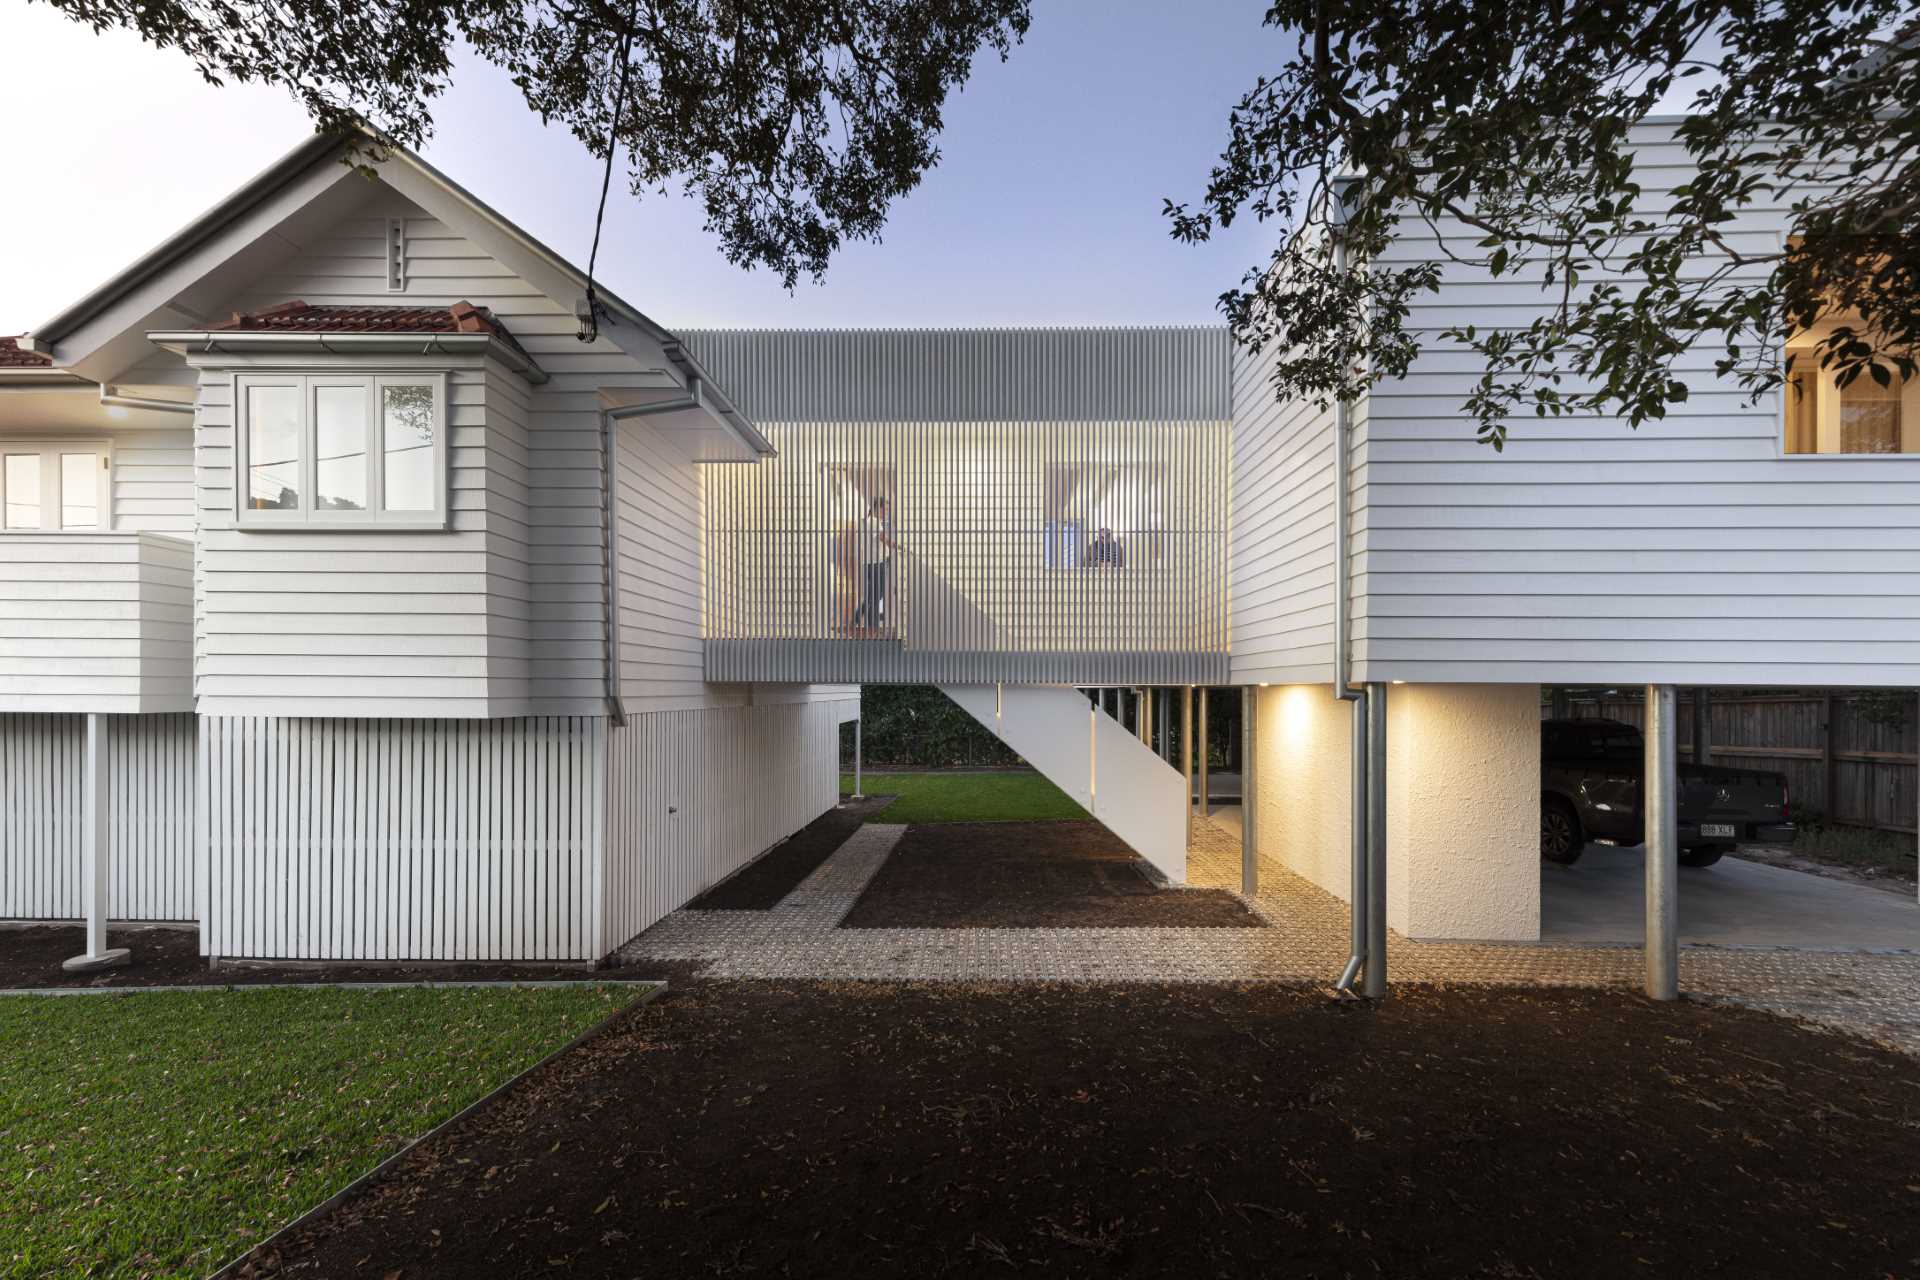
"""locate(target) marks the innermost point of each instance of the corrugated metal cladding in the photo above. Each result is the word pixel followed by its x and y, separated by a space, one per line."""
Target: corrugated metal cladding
pixel 1166 374
pixel 1003 455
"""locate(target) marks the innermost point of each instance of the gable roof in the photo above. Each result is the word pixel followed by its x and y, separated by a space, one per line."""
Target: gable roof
pixel 427 186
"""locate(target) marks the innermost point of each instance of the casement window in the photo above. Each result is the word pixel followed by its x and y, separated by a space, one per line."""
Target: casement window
pixel 351 450
pixel 55 485
pixel 1861 418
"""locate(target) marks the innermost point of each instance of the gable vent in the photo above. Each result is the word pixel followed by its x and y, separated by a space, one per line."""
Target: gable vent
pixel 396 255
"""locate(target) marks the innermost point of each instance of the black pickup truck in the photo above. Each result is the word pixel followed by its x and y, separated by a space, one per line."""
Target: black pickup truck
pixel 1592 781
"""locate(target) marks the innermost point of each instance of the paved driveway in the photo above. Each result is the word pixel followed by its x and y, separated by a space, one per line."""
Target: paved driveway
pixel 1600 899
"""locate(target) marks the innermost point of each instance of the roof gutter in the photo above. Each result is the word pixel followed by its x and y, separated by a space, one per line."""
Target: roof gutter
pixel 112 398
pixel 238 342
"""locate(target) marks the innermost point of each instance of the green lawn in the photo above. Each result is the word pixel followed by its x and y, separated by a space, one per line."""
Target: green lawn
pixel 161 1133
pixel 967 797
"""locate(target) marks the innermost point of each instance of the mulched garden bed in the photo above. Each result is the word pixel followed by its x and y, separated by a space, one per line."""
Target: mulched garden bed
pixel 762 883
pixel 983 875
pixel 30 956
pixel 839 1130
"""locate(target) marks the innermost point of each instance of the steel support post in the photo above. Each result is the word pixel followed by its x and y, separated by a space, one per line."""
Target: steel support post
pixel 1186 756
pixel 1374 983
pixel 1249 846
pixel 1204 800
pixel 1661 816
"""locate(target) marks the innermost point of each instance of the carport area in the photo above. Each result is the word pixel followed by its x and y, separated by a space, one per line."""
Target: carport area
pixel 1734 903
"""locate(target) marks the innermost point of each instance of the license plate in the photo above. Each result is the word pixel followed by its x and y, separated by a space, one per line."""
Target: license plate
pixel 1725 829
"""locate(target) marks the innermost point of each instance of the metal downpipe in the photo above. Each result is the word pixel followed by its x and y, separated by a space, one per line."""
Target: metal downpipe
pixel 1357 827
pixel 1359 888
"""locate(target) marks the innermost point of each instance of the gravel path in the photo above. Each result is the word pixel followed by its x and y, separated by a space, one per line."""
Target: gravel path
pixel 1875 994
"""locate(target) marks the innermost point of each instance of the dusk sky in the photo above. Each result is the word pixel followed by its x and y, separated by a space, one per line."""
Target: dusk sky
pixel 1044 209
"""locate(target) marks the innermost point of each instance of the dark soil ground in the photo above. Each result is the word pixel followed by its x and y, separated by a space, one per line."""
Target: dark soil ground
pixel 834 1130
pixel 761 884
pixel 973 875
pixel 167 957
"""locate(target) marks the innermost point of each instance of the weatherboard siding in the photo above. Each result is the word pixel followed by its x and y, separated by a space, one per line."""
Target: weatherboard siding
pixel 1283 546
pixel 95 622
pixel 1689 550
pixel 505 609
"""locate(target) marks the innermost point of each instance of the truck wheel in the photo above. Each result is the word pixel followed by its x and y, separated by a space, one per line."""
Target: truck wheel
pixel 1703 855
pixel 1561 839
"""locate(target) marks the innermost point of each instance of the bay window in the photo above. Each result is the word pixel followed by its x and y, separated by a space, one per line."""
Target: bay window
pixel 337 449
pixel 53 485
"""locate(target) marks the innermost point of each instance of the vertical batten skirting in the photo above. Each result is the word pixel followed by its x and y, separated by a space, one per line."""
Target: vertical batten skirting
pixel 693 796
pixel 402 839
pixel 150 771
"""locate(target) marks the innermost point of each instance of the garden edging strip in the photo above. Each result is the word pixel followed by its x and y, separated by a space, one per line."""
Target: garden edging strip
pixel 232 1267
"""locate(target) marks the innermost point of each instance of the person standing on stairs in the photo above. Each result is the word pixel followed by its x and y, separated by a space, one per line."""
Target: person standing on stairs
pixel 877 544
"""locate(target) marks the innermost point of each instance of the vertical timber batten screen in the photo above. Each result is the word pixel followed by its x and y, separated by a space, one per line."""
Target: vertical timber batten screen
pixel 402 839
pixel 149 816
pixel 1059 499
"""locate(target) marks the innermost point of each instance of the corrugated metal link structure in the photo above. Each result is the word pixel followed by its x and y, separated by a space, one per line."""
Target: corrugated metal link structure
pixel 955 506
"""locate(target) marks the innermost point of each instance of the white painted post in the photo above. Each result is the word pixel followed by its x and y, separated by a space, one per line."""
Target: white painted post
pixel 95 868
pixel 857 749
pixel 1660 814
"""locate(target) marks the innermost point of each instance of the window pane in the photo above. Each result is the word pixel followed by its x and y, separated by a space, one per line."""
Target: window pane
pixel 273 448
pixel 1870 417
pixel 340 449
pixel 23 491
pixel 79 490
pixel 406 441
pixel 1803 409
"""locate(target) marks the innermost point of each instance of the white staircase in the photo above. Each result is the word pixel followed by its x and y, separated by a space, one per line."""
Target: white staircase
pixel 1091 757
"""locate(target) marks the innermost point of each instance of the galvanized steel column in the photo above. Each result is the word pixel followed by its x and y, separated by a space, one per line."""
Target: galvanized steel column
pixel 1249 847
pixel 1186 754
pixel 1660 812
pixel 1374 985
pixel 1201 742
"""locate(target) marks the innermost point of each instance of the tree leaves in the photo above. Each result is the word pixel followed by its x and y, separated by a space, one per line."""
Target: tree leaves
pixel 794 123
pixel 1504 142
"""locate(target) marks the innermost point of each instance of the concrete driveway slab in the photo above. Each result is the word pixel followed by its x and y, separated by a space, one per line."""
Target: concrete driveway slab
pixel 1730 904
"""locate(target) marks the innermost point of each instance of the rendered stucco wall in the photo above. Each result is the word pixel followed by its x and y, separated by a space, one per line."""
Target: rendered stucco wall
pixel 1303 806
pixel 1463 811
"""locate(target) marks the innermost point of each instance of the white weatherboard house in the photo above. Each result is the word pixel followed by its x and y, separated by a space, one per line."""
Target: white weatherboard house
pixel 353 608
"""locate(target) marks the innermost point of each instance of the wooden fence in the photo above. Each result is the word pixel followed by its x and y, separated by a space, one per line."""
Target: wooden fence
pixel 1838 763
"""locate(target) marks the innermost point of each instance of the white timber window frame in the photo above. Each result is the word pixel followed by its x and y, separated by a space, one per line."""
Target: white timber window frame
pixel 308 407
pixel 1812 424
pixel 50 493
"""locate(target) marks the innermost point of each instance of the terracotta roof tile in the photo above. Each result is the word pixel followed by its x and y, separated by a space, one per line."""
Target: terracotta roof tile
pixel 300 317
pixel 12 357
